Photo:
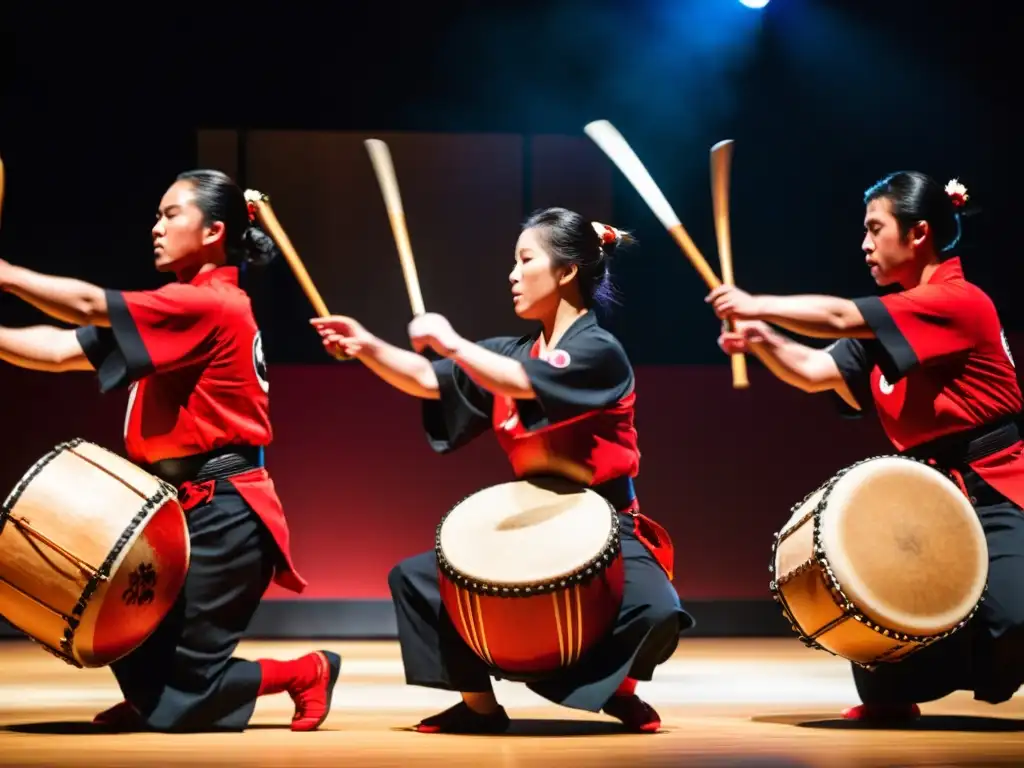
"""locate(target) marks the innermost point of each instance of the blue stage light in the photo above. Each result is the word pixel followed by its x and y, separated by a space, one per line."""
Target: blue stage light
pixel 754 3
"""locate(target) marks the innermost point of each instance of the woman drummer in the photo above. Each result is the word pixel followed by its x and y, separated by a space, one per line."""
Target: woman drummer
pixel 561 402
pixel 198 418
pixel 933 360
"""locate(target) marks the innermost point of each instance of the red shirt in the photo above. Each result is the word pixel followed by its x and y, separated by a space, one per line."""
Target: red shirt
pixel 193 355
pixel 939 362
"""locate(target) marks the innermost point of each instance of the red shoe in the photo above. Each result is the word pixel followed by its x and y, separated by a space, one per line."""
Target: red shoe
pixel 313 698
pixel 120 717
pixel 882 712
pixel 635 713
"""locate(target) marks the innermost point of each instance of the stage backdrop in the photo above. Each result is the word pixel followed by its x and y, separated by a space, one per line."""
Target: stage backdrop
pixel 720 468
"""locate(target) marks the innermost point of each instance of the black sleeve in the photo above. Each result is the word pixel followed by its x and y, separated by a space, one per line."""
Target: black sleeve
pixel 117 353
pixel 855 359
pixel 103 352
pixel 893 353
pixel 463 412
pixel 589 372
pixel 127 336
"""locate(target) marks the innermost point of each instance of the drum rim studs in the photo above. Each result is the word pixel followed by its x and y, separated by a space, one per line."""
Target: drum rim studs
pixel 585 573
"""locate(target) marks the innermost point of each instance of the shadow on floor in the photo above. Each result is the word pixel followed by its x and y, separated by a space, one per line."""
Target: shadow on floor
pixel 963 723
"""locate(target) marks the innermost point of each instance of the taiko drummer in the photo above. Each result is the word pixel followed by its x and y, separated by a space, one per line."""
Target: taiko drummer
pixel 198 418
pixel 933 360
pixel 561 402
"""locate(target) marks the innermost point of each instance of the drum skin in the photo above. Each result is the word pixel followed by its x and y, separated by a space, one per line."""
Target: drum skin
pixel 93 554
pixel 885 558
pixel 532 627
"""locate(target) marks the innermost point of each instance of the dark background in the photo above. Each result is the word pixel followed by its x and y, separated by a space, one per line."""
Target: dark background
pixel 484 104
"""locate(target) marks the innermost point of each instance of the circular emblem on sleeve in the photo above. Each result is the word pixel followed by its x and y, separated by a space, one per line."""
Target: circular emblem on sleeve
pixel 259 362
pixel 559 358
pixel 884 386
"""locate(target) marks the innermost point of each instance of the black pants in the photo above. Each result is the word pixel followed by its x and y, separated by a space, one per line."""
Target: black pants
pixel 183 677
pixel 986 656
pixel 645 634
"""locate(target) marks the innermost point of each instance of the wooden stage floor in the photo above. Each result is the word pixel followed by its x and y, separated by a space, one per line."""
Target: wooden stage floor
pixel 763 703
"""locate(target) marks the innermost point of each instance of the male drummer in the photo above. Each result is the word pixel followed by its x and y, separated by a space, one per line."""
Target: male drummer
pixel 934 361
pixel 198 417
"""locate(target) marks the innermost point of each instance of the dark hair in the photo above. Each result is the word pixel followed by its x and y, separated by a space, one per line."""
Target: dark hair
pixel 917 197
pixel 220 199
pixel 572 239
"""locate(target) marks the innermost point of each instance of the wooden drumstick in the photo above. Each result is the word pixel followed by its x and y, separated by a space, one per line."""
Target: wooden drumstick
pixel 268 220
pixel 384 168
pixel 721 166
pixel 611 142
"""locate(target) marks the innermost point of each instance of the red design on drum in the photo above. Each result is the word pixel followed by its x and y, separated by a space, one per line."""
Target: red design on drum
pixel 531 573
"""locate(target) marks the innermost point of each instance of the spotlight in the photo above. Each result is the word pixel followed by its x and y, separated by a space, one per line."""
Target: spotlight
pixel 754 3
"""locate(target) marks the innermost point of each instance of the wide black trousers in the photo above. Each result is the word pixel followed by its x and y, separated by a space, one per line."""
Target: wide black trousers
pixel 184 677
pixel 986 656
pixel 645 633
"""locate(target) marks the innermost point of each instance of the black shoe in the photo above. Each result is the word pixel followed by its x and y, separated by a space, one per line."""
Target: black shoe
pixel 462 719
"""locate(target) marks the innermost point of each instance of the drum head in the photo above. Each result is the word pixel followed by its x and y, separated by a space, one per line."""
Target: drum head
pixel 526 532
pixel 905 545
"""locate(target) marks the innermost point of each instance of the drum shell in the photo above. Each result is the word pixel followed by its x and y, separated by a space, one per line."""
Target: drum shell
pixel 93 554
pixel 817 610
pixel 527 635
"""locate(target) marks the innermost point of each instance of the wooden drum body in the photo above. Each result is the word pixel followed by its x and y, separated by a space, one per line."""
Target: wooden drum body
pixel 531 573
pixel 93 553
pixel 885 558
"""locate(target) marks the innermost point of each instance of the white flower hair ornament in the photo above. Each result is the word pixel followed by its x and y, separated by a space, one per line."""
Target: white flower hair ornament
pixel 252 197
pixel 957 193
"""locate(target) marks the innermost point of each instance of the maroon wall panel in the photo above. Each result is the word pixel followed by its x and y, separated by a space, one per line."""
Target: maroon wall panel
pixel 362 489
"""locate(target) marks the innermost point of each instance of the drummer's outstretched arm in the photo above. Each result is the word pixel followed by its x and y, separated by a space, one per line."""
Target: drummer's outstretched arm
pixel 498 374
pixel 404 370
pixel 818 316
pixel 43 348
pixel 64 298
pixel 800 366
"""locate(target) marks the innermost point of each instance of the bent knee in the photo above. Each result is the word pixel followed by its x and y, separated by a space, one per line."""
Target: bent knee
pixel 667 609
pixel 1012 625
pixel 397 578
pixel 412 570
pixel 1007 645
pixel 662 604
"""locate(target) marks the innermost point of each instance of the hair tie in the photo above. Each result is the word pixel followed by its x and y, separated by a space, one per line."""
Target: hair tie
pixel 957 193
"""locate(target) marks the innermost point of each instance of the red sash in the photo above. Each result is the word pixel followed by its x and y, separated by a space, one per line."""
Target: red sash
pixel 256 487
pixel 654 538
pixel 1004 471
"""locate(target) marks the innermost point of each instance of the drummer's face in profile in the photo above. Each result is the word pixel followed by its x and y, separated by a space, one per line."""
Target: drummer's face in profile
pixel 180 236
pixel 888 253
pixel 535 278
